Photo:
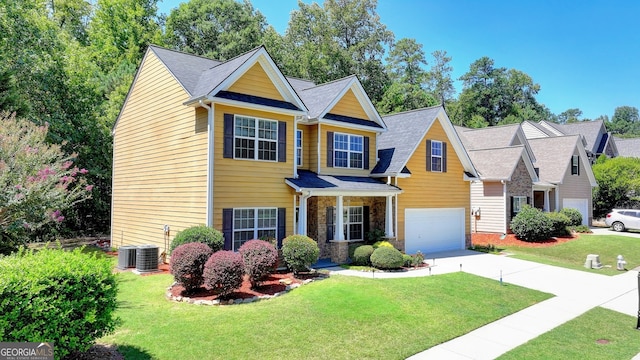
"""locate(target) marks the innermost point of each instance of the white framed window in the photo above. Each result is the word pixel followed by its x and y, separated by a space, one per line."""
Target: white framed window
pixel 436 156
pixel 299 147
pixel 253 223
pixel 575 165
pixel 353 217
pixel 348 151
pixel 255 139
pixel 518 203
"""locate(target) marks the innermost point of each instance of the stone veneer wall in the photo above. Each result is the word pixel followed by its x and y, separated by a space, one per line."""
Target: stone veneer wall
pixel 520 185
pixel 317 217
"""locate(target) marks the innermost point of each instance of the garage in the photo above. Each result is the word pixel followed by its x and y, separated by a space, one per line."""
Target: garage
pixel 434 230
pixel 581 204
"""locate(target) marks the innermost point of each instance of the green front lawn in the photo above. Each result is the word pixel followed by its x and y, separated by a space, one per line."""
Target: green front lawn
pixel 573 254
pixel 597 334
pixel 338 318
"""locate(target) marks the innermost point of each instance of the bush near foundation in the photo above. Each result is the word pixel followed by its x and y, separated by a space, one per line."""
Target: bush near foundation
pixel 559 223
pixel 575 217
pixel 260 259
pixel 224 271
pixel 299 252
pixel 362 255
pixel 387 258
pixel 532 225
pixel 201 234
pixel 187 264
pixel 67 297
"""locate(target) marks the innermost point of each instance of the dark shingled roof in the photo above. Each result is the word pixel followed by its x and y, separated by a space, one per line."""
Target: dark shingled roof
pixel 404 133
pixel 628 147
pixel 497 163
pixel 186 68
pixel 309 180
pixel 318 98
pixel 352 120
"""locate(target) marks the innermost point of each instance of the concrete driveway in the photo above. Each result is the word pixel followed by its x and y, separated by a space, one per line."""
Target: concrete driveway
pixel 608 231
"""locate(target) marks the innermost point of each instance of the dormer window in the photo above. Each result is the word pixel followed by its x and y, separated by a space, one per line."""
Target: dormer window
pixel 436 156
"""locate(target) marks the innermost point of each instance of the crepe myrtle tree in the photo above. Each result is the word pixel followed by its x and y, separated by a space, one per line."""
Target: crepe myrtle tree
pixel 38 182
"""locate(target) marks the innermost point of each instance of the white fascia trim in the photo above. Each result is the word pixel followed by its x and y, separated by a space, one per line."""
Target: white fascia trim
pixel 401 175
pixel 331 192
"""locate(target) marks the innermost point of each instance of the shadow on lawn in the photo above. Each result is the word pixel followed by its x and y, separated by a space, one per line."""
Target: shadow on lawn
pixel 132 352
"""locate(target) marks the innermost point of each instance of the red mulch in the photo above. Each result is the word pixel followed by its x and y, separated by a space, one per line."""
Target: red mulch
pixel 486 239
pixel 270 286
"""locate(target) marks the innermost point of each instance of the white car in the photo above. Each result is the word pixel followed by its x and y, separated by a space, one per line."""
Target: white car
pixel 623 219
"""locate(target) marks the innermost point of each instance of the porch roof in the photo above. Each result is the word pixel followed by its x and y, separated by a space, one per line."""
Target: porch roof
pixel 333 185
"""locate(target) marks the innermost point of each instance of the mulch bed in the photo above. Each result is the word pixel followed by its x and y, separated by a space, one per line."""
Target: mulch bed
pixel 270 286
pixel 487 239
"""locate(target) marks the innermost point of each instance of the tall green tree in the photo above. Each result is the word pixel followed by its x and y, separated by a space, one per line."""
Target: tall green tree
pixel 218 29
pixel 439 80
pixel 625 121
pixel 570 116
pixel 405 61
pixel 72 16
pixel 498 95
pixel 618 184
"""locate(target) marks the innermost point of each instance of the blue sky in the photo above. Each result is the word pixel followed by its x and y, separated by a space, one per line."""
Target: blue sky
pixel 583 54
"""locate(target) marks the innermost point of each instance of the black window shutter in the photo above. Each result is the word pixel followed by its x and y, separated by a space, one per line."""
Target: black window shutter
pixel 282 226
pixel 512 207
pixel 578 165
pixel 444 157
pixel 366 152
pixel 528 200
pixel 365 222
pixel 227 151
pixel 329 148
pixel 282 141
pixel 428 155
pixel 227 228
pixel 330 223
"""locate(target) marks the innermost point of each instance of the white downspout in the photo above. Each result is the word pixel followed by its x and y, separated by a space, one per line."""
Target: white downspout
pixel 504 196
pixel 210 144
pixel 319 153
pixel 302 213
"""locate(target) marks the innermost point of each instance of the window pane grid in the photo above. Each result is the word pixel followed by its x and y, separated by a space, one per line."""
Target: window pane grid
pixel 353 222
pixel 249 224
pixel 348 151
pixel 255 139
pixel 436 155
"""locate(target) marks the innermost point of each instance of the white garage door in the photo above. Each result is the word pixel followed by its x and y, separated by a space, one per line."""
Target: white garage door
pixel 581 204
pixel 433 230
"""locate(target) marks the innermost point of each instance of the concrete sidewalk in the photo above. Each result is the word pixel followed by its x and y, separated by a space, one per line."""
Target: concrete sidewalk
pixel 575 293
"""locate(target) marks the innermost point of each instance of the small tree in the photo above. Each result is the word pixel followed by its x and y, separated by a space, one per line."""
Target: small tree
pixel 37 183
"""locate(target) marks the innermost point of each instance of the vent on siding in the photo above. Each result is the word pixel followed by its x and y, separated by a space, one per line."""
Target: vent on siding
pixel 126 257
pixel 147 258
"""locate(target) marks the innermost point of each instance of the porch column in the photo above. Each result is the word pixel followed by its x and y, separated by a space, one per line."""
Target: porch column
pixel 388 222
pixel 338 234
pixel 546 200
pixel 302 215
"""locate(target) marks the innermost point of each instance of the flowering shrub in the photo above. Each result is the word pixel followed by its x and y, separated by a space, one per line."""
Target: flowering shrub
pixel 68 297
pixel 378 244
pixel 224 271
pixel 201 234
pixel 187 264
pixel 37 183
pixel 299 252
pixel 260 259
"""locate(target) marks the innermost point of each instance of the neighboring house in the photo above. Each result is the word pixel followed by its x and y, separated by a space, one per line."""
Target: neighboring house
pixel 238 146
pixel 507 177
pixel 514 170
pixel 597 140
pixel 422 155
pixel 628 147
pixel 563 162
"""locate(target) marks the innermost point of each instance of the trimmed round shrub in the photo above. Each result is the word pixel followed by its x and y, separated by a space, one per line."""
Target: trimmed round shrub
pixel 387 258
pixel 260 259
pixel 532 225
pixel 408 260
pixel 201 234
pixel 187 264
pixel 67 297
pixel 224 272
pixel 378 244
pixel 559 223
pixel 299 252
pixel 574 215
pixel 362 255
pixel 352 248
